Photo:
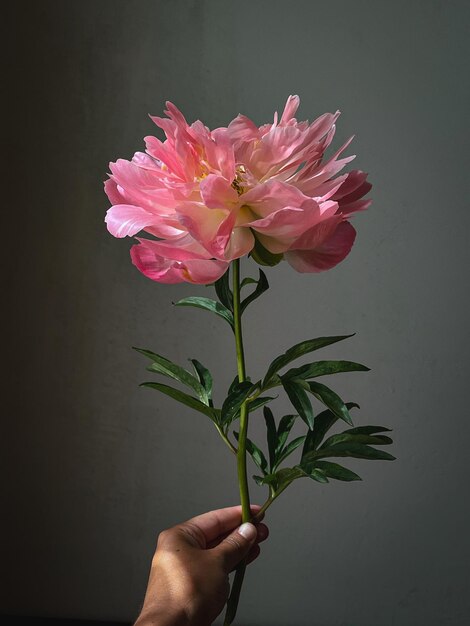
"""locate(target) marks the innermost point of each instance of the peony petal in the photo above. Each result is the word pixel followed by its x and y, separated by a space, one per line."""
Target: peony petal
pixel 166 154
pixel 146 162
pixel 242 129
pixel 326 255
pixel 146 188
pixel 349 195
pixel 125 220
pixel 219 153
pixel 204 272
pixel 113 192
pixel 354 207
pixel 241 242
pixel 315 236
pixel 271 196
pixel 352 185
pixel 288 222
pixel 210 227
pixel 290 108
pixel 217 192
pixel 277 145
pixel 156 267
pixel 183 248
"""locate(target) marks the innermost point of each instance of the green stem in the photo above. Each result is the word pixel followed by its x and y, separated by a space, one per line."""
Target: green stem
pixel 237 316
pixel 226 439
pixel 232 603
pixel 268 503
pixel 264 508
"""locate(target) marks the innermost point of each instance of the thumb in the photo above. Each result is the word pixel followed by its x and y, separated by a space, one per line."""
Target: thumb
pixel 235 547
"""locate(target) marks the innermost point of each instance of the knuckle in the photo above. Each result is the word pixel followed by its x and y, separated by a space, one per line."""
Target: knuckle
pixel 163 536
pixel 194 533
pixel 234 542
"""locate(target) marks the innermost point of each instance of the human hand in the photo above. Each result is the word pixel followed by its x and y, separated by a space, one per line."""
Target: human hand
pixel 189 583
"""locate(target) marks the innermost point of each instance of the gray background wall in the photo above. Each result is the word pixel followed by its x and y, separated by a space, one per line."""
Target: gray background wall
pixel 95 466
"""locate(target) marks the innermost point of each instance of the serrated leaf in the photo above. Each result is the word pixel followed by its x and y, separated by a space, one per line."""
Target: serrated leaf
pixel 321 425
pixel 355 450
pixel 331 400
pixel 271 435
pixel 162 365
pixel 222 289
pixel 304 347
pixel 283 430
pixel 300 400
pixel 235 399
pixel 336 471
pixel 356 438
pixel 293 445
pixel 204 376
pixel 209 305
pixel 324 368
pixel 262 285
pixel 255 453
pixel 182 397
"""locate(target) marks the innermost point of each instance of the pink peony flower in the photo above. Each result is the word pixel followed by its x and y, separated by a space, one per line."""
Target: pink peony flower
pixel 208 197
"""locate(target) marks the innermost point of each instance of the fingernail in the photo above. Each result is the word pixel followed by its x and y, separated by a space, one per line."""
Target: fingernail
pixel 248 531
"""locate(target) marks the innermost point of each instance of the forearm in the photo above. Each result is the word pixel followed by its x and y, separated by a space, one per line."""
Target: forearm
pixel 156 616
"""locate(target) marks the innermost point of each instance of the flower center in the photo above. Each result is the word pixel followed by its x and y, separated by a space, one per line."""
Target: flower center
pixel 239 180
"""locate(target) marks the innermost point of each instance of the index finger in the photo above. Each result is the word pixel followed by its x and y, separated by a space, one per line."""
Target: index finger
pixel 220 521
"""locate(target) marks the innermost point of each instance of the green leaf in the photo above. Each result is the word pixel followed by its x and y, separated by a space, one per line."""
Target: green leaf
pixel 259 480
pixel 283 477
pixel 286 475
pixel 356 450
pixel 304 347
pixel 248 281
pixel 336 471
pixel 162 365
pixel 271 435
pixel 293 445
pixel 222 289
pixel 204 376
pixel 258 402
pixel 321 425
pixel 300 400
pixel 182 397
pixel 261 286
pixel 208 305
pixel 283 430
pixel 324 368
pixel 217 416
pixel 255 453
pixel 233 385
pixel 263 256
pixel 331 400
pixel 235 399
pixel 368 430
pixel 355 438
pixel 318 475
